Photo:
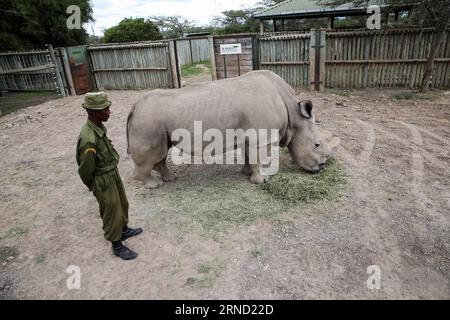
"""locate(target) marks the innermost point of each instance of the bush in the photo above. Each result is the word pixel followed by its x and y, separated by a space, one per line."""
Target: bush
pixel 130 30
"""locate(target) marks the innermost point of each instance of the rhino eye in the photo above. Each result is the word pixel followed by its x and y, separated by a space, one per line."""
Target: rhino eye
pixel 317 145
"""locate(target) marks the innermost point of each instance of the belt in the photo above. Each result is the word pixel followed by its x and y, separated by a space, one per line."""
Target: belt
pixel 104 170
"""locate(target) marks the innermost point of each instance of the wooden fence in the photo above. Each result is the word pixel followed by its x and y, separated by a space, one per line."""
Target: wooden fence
pixel 32 71
pixel 384 58
pixel 315 59
pixel 345 59
pixel 140 65
pixel 286 55
pixel 192 50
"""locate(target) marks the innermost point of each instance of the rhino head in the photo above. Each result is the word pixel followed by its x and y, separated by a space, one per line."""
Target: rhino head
pixel 308 148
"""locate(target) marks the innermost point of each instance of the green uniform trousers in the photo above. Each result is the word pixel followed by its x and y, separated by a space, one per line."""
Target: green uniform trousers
pixel 112 200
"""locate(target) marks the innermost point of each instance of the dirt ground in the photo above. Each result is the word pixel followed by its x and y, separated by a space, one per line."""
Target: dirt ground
pixel 213 235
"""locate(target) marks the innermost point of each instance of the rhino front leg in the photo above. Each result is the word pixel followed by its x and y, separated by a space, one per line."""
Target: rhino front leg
pixel 256 176
pixel 255 169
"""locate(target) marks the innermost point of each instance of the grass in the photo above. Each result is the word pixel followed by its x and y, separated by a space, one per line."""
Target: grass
pixel 209 271
pixel 12 101
pixel 14 232
pixel 255 253
pixel 214 200
pixel 293 186
pixel 410 95
pixel 190 70
pixel 40 258
pixel 342 93
pixel 203 268
pixel 6 252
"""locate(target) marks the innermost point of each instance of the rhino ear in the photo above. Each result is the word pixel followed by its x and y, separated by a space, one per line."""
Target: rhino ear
pixel 306 108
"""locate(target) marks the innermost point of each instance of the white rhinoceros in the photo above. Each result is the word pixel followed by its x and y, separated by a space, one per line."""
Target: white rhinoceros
pixel 255 100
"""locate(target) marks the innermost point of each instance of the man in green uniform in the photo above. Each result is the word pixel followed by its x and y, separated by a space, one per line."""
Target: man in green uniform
pixel 97 166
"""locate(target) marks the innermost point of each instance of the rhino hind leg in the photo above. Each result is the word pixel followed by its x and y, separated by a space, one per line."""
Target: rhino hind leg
pixel 142 172
pixel 144 164
pixel 161 167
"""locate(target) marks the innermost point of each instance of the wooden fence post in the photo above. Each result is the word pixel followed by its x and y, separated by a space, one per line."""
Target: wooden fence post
pixel 190 51
pixel 59 81
pixel 312 59
pixel 322 60
pixel 174 66
pixel 213 57
pixel 65 61
pixel 317 60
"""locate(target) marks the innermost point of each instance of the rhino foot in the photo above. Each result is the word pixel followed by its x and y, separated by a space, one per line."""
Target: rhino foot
pixel 153 183
pixel 258 179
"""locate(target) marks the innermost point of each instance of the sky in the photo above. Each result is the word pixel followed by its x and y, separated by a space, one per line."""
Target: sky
pixel 108 13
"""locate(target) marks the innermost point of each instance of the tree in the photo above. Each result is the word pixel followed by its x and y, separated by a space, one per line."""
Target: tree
pixel 132 29
pixel 172 26
pixel 424 13
pixel 236 21
pixel 32 24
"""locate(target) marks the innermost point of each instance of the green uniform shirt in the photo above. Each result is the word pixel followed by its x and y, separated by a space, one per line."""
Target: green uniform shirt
pixel 95 153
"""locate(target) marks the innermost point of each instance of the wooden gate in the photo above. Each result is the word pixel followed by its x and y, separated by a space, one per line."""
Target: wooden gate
pixel 80 69
pixel 140 65
pixel 229 64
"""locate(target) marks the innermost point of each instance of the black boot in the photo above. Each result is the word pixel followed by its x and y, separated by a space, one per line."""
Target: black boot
pixel 130 232
pixel 123 252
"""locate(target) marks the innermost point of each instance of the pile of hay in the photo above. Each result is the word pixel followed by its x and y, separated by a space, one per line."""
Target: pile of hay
pixel 295 185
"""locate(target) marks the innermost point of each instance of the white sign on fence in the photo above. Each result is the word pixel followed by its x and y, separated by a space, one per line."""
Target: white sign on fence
pixel 234 48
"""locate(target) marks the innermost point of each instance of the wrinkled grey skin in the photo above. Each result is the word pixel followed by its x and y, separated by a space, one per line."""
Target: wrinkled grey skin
pixel 258 99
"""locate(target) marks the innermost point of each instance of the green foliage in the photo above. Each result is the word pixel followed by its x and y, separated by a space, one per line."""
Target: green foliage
pixel 6 252
pixel 194 69
pixel 172 26
pixel 236 21
pixel 409 95
pixel 32 24
pixel 132 29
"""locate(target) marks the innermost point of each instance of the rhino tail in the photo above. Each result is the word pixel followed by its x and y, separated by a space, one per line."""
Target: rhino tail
pixel 130 116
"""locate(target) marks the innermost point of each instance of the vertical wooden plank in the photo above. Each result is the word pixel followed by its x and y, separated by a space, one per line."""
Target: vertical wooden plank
pixel 174 66
pixel 225 65
pixel 322 60
pixel 57 74
pixel 312 59
pixel 212 57
pixel 66 64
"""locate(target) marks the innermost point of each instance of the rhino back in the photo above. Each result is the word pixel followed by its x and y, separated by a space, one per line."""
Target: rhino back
pixel 257 100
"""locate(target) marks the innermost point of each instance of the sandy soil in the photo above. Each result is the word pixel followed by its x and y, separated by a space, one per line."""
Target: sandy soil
pixel 394 213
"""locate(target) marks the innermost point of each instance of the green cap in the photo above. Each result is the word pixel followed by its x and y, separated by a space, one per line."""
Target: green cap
pixel 96 101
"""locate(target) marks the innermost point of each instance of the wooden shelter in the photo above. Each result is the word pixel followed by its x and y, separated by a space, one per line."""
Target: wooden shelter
pixel 284 12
